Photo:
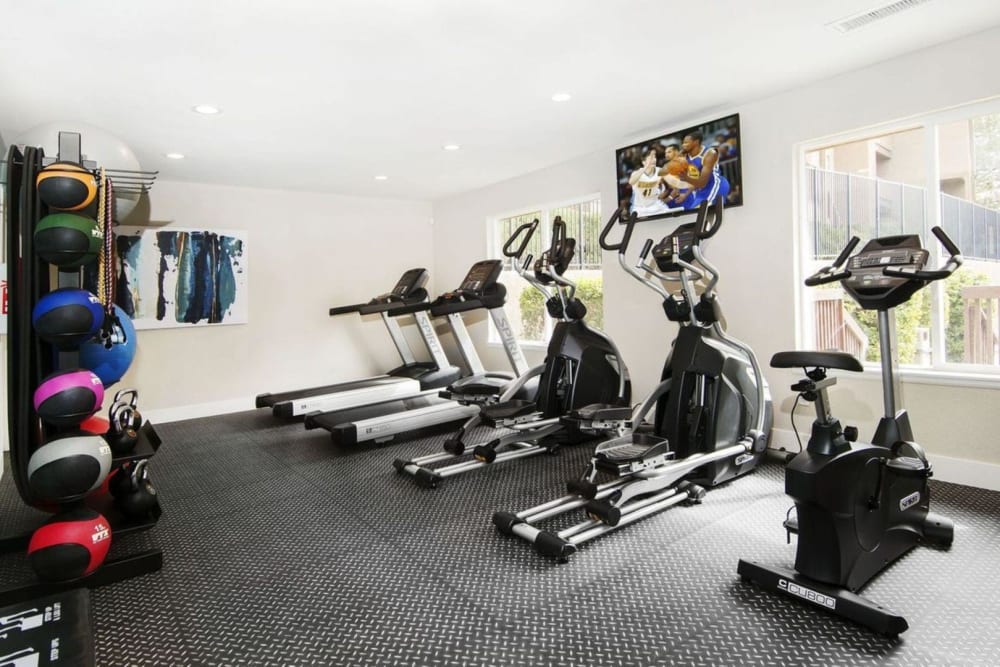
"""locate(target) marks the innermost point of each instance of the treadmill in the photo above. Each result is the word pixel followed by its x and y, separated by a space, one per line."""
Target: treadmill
pixel 412 378
pixel 461 400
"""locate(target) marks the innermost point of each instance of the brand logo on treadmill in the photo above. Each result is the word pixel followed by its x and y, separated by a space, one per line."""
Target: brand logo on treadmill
pixel 807 594
pixel 430 336
pixel 909 501
pixel 507 336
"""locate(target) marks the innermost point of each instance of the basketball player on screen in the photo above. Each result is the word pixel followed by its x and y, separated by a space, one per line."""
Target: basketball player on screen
pixel 675 191
pixel 646 187
pixel 703 174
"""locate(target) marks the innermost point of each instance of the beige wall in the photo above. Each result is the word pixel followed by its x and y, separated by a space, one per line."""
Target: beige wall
pixel 306 252
pixel 756 250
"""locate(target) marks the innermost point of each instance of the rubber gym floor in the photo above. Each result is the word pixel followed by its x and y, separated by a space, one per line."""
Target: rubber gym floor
pixel 280 548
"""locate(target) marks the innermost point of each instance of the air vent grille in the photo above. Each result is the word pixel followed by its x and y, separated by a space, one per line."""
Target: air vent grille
pixel 869 16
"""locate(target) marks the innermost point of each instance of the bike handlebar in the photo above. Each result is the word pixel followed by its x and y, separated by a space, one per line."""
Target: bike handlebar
pixel 954 261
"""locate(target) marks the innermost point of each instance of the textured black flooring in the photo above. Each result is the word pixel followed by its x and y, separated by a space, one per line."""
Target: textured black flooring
pixel 281 549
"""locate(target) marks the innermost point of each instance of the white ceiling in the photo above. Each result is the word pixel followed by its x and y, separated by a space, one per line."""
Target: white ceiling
pixel 325 94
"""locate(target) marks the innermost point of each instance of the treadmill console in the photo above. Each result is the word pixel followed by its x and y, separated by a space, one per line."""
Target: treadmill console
pixel 408 283
pixel 482 276
pixel 874 290
pixel 663 252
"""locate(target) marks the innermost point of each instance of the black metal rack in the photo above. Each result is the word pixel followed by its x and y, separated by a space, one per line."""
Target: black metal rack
pixel 30 359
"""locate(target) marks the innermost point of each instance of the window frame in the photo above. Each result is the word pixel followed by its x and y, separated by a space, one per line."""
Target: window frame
pixel 494 249
pixel 940 373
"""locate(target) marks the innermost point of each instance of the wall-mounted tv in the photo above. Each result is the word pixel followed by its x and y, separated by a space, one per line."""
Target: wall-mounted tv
pixel 672 174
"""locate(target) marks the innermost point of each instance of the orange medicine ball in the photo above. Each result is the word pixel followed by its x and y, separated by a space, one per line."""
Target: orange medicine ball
pixel 66 186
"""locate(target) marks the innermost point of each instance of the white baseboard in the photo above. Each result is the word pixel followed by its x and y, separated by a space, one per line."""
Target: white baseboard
pixel 182 412
pixel 979 474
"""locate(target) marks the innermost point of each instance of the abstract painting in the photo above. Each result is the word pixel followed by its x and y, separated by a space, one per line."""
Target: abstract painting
pixel 181 277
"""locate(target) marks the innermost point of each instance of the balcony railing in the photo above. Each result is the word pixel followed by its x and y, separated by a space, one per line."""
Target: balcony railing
pixel 835 328
pixel 842 205
pixel 982 324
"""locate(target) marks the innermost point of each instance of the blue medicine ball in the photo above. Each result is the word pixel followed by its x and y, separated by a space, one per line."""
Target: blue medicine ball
pixel 67 317
pixel 111 364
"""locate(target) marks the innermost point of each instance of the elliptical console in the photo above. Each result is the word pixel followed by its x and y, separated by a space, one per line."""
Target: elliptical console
pixel 859 506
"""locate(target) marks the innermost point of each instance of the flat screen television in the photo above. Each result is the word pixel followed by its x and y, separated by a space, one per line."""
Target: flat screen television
pixel 663 177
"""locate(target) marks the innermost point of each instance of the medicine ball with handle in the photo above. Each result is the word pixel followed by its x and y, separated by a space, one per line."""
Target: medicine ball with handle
pixel 67 317
pixel 67 240
pixel 69 467
pixel 66 186
pixel 66 398
pixel 70 545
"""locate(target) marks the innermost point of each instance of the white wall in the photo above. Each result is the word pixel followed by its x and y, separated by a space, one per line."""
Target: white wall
pixel 306 252
pixel 756 249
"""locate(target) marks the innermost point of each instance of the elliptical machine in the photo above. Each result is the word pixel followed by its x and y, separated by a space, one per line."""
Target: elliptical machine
pixel 859 506
pixel 582 366
pixel 712 406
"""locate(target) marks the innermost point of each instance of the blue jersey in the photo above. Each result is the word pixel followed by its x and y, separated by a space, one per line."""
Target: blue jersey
pixel 717 184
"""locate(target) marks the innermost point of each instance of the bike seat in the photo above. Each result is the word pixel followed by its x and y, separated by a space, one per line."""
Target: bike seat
pixel 815 359
pixel 601 412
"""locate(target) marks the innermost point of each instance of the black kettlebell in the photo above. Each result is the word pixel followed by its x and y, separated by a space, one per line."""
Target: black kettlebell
pixel 139 499
pixel 125 422
pixel 120 482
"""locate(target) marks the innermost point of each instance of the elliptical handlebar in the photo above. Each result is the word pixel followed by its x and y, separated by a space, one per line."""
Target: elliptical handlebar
pixel 829 274
pixel 954 261
pixel 530 227
pixel 628 219
pixel 644 253
pixel 709 219
pixel 558 237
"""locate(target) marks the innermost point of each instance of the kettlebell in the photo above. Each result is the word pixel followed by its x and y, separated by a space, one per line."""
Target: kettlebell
pixel 125 422
pixel 139 497
pixel 119 482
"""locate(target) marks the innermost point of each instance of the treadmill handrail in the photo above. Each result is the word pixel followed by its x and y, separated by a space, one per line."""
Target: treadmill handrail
pixel 345 310
pixel 394 308
pixel 439 307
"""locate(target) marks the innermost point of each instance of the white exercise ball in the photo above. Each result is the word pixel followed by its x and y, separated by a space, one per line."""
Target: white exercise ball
pixel 96 144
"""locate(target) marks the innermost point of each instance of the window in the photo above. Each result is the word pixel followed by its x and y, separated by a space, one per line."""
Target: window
pixel 943 169
pixel 525 305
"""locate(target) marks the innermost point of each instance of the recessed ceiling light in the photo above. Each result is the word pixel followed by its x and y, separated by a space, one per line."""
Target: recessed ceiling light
pixel 561 97
pixel 380 177
pixel 207 109
pixel 175 156
pixel 451 147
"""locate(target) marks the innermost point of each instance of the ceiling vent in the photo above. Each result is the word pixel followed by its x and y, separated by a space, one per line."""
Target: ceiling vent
pixel 861 19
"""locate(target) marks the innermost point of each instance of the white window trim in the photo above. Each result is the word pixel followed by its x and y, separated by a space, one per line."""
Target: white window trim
pixel 494 248
pixel 945 374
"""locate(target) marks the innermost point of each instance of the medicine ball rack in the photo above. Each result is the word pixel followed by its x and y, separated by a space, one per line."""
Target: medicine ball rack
pixel 29 360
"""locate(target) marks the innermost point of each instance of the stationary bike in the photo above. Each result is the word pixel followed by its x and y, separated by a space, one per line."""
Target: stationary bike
pixel 859 506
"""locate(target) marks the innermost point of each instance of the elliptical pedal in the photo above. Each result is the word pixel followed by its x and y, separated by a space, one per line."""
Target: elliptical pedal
pixel 510 413
pixel 641 452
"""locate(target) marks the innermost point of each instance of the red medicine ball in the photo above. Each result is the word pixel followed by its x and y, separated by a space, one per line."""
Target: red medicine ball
pixel 70 545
